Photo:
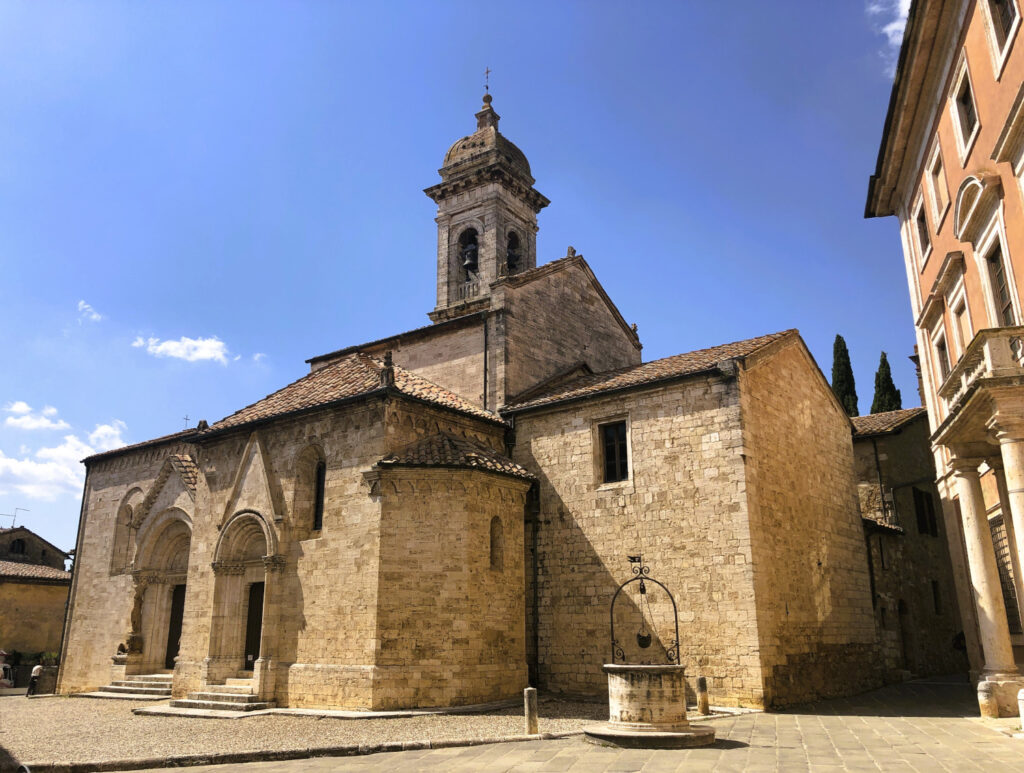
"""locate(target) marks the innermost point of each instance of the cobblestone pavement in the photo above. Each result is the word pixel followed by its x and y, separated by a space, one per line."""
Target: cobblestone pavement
pixel 920 726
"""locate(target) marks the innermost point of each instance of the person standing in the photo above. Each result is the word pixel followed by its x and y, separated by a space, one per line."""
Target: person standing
pixel 33 680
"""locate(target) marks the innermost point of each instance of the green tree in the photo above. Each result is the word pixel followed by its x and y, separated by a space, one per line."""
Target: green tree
pixel 887 396
pixel 842 377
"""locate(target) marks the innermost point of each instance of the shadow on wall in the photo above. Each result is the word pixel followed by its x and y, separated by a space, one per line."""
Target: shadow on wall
pixel 568 612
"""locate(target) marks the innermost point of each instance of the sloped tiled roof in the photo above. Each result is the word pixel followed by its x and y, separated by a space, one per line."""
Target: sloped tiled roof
pixel 187 469
pixel 648 372
pixel 183 436
pixel 16 569
pixel 446 450
pixel 881 423
pixel 352 376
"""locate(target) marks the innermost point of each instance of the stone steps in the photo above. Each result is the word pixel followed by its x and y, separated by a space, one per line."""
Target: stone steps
pixel 137 687
pixel 236 694
pixel 188 703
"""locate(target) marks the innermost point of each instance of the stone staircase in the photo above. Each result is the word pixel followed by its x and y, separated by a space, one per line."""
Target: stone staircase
pixel 137 687
pixel 233 695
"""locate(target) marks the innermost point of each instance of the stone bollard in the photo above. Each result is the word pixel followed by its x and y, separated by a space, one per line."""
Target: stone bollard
pixel 530 710
pixel 703 704
pixel 987 701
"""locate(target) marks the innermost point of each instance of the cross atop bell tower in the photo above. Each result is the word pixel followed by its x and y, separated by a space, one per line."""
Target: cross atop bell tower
pixel 486 217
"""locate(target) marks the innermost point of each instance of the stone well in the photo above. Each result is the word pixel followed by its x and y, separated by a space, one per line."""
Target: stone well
pixel 647 709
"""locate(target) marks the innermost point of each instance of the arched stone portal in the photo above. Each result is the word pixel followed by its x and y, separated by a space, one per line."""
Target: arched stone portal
pixel 159 577
pixel 244 613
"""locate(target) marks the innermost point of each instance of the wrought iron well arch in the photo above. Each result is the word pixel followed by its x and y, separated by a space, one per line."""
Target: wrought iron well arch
pixel 642 575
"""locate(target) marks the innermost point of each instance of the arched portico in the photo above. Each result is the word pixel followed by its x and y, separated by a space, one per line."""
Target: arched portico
pixel 244 610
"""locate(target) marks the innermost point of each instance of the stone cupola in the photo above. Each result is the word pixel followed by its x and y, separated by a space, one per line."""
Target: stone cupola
pixel 486 217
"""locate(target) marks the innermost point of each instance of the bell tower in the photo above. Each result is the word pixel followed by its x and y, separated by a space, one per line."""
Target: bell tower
pixel 486 217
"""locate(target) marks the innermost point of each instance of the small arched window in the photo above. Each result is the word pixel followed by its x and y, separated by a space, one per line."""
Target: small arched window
pixel 18 547
pixel 497 545
pixel 513 253
pixel 318 496
pixel 468 249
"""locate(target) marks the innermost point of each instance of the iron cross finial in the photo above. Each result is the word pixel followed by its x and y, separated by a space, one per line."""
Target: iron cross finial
pixel 487 80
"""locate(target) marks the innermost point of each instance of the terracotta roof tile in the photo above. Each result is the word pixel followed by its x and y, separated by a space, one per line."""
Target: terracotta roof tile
pixel 32 571
pixel 881 423
pixel 354 375
pixel 446 450
pixel 187 469
pixel 647 373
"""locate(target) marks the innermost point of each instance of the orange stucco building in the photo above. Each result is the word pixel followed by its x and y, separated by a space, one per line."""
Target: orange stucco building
pixel 951 168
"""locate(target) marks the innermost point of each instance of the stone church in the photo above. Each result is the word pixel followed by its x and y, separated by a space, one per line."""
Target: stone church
pixel 443 516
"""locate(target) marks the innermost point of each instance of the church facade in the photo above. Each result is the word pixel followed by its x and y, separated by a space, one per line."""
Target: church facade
pixel 444 516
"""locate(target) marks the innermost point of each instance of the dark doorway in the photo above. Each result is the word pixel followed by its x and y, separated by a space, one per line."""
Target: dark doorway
pixel 174 629
pixel 253 625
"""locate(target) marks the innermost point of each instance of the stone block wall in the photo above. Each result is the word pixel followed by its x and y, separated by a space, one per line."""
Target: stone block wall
pixel 556 320
pixel 100 601
pixel 36 550
pixel 814 614
pixel 451 619
pixel 31 615
pixel 683 507
pixel 320 612
pixel 916 629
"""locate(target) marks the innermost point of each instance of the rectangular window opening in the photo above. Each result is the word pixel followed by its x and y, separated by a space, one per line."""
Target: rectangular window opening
pixel 923 240
pixel 940 190
pixel 1000 290
pixel 613 449
pixel 1004 14
pixel 942 353
pixel 966 111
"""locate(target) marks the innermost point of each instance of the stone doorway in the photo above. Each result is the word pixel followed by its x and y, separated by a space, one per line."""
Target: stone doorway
pixel 158 590
pixel 253 626
pixel 174 626
pixel 242 626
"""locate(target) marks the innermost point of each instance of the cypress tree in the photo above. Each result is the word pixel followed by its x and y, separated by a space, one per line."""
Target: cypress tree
pixel 887 396
pixel 842 377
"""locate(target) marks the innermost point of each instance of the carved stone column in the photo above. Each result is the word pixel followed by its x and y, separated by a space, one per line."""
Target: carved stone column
pixel 1000 673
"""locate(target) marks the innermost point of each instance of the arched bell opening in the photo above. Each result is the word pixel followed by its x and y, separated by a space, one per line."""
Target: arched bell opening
pixel 159 590
pixel 513 253
pixel 242 558
pixel 469 249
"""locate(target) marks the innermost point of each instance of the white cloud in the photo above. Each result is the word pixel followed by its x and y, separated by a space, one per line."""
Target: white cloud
pixel 889 18
pixel 108 436
pixel 57 470
pixel 188 349
pixel 88 313
pixel 259 357
pixel 24 418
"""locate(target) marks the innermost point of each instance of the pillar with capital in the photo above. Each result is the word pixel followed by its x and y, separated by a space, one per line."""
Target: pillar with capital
pixel 1000 678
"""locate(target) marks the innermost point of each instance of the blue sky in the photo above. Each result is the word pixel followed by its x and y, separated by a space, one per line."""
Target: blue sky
pixel 195 197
